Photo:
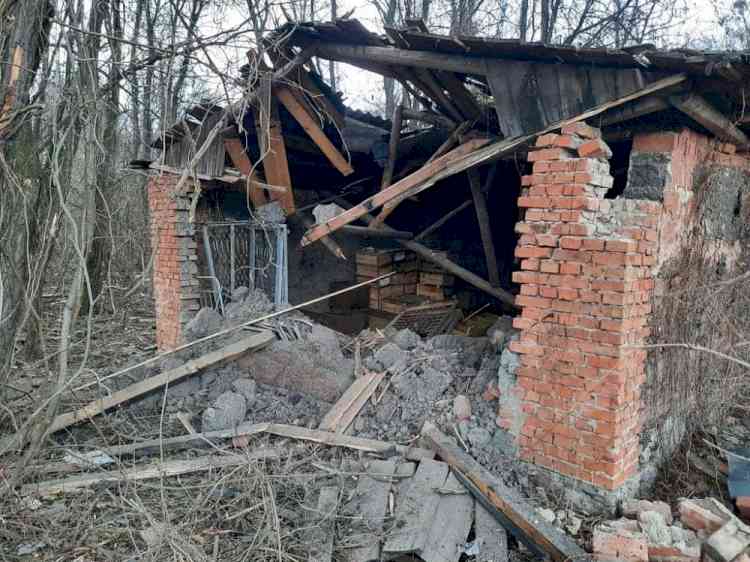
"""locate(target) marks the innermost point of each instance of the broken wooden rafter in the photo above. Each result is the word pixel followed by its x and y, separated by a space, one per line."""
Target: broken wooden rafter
pixel 146 472
pixel 273 151
pixel 227 353
pixel 293 105
pixel 239 157
pixel 465 101
pixel 640 108
pixel 702 112
pixel 485 226
pixel 410 185
pixel 451 141
pixel 426 81
pixel 297 61
pixel 505 504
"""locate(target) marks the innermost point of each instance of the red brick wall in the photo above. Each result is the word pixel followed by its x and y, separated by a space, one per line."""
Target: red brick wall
pixel 585 286
pixel 175 269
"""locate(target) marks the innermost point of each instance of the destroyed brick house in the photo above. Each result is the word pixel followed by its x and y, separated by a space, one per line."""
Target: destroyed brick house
pixel 554 184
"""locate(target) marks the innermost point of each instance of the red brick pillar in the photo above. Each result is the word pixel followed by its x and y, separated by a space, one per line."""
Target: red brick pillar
pixel 585 286
pixel 175 261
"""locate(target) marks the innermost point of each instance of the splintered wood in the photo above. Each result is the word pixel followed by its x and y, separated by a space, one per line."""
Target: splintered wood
pixel 342 414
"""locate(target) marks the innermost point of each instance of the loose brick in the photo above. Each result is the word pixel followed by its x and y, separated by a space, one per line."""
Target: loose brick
pixel 595 148
pixel 582 130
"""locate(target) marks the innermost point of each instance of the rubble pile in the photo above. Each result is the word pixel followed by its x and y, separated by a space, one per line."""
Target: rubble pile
pixel 703 531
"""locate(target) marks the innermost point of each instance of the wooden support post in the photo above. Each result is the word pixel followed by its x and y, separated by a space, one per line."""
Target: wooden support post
pixel 703 113
pixel 313 130
pixel 239 157
pixel 393 147
pixel 273 151
pixel 485 226
pixel 442 220
pixel 505 504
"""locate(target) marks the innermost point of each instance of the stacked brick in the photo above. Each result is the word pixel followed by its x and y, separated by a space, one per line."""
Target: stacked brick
pixel 384 294
pixel 175 260
pixel 585 286
pixel 434 283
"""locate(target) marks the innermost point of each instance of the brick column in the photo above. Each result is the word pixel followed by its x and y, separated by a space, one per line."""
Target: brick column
pixel 175 261
pixel 585 286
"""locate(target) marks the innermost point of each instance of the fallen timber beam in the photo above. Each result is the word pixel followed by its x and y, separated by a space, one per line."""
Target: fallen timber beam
pixel 406 187
pixel 146 472
pixel 485 227
pixel 376 232
pixel 505 504
pixel 227 353
pixel 642 107
pixel 699 110
pixel 426 177
pixel 445 263
pixel 239 157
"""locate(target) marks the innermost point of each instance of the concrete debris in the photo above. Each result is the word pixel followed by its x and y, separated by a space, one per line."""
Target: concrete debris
pixel 387 357
pixel 632 508
pixel 206 321
pixel 727 543
pixel 479 437
pixel 406 339
pixel 227 411
pixel 655 527
pixel 461 408
pixel 547 514
pixel 247 388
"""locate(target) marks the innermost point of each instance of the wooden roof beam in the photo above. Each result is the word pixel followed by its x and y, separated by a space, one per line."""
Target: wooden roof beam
pixel 699 110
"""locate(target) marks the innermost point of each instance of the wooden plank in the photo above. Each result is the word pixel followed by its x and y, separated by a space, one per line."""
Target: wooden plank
pixel 369 509
pixel 322 528
pixel 416 510
pixel 313 130
pixel 358 443
pixel 427 82
pixel 450 141
pixel 321 100
pixel 273 153
pixel 505 504
pixel 410 185
pixel 146 472
pixel 642 107
pixel 353 399
pixel 227 353
pixel 492 537
pixel 451 525
pixel 485 227
pixel 393 143
pixel 241 160
pixel 442 220
pixel 697 108
pixel 359 402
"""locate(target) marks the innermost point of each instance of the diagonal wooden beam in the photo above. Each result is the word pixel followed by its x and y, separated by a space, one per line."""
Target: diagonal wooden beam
pixel 239 157
pixel 273 151
pixel 702 112
pixel 408 186
pixel 442 220
pixel 313 130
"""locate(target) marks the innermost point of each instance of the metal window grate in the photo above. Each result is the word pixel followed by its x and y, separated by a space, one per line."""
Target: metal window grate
pixel 246 253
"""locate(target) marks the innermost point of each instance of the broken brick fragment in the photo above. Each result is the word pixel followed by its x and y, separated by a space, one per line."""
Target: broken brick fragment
pixel 618 542
pixel 631 508
pixel 703 515
pixel 582 130
pixel 743 506
pixel 727 543
pixel 595 148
